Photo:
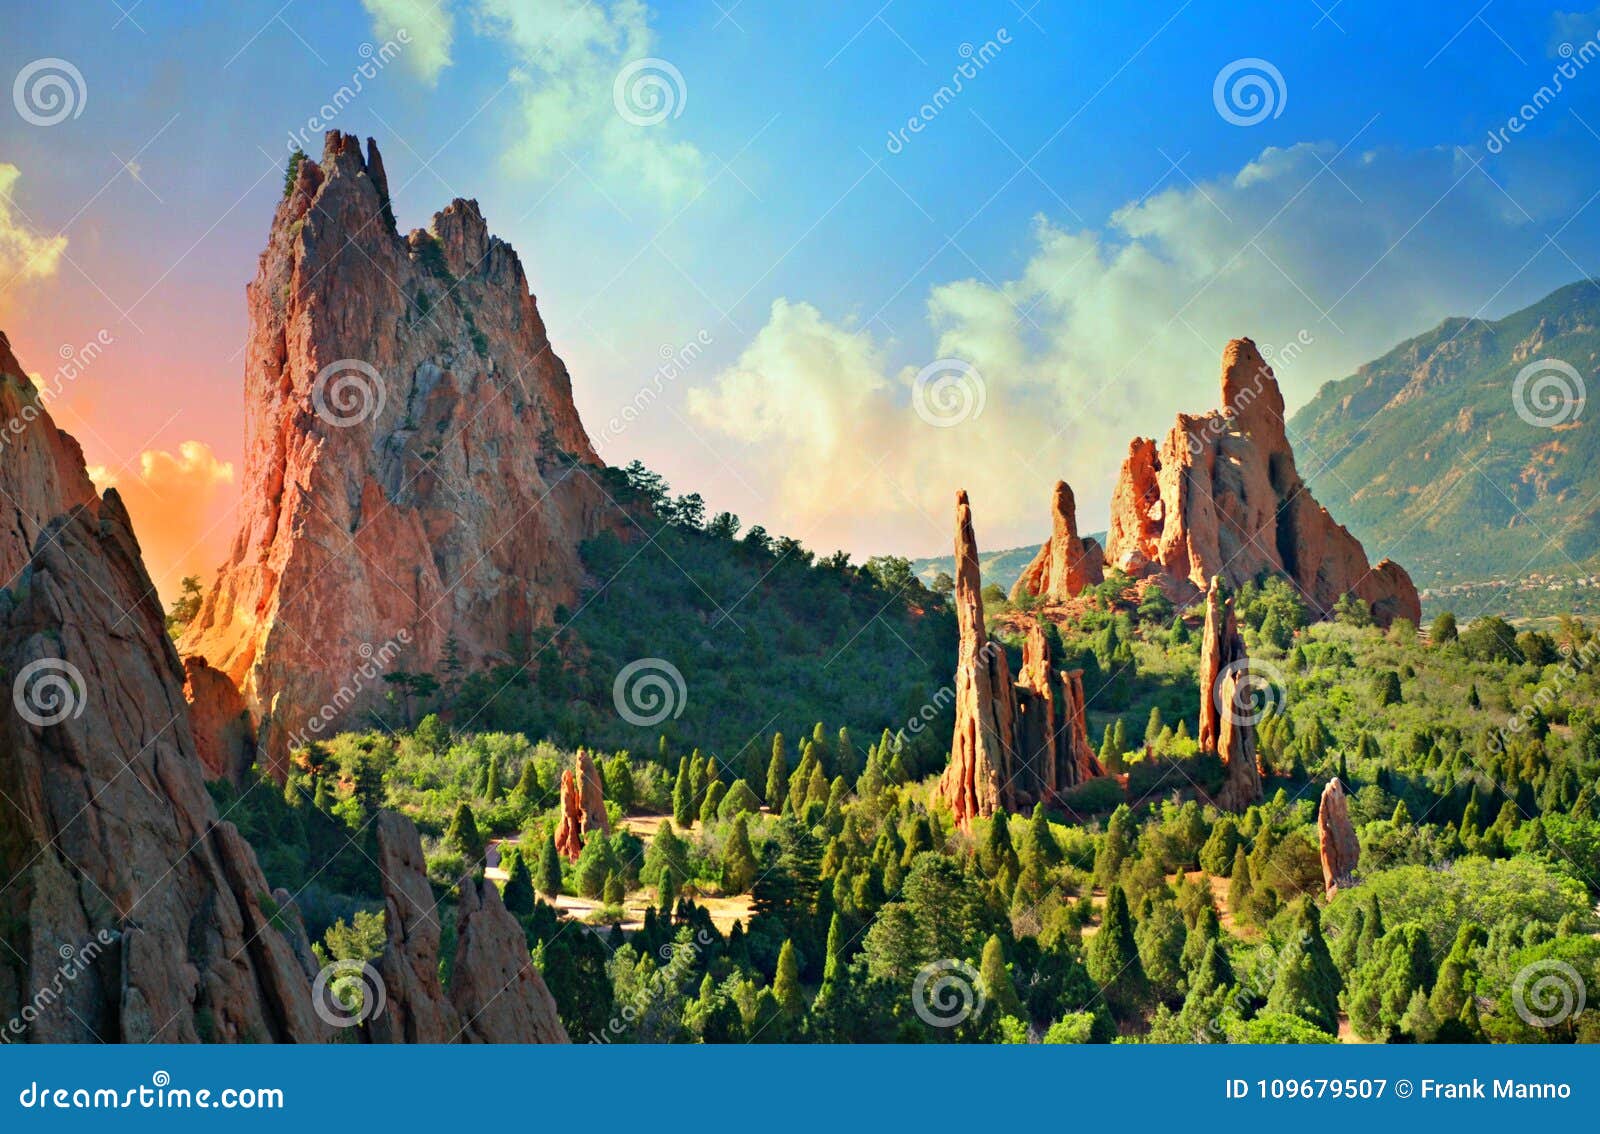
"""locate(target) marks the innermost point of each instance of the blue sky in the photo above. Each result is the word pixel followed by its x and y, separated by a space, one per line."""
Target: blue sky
pixel 1080 226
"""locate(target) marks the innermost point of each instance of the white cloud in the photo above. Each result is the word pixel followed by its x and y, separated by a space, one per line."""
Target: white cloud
pixel 25 256
pixel 1106 335
pixel 429 26
pixel 180 504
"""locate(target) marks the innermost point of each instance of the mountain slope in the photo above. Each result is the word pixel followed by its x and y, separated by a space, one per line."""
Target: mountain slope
pixel 1425 455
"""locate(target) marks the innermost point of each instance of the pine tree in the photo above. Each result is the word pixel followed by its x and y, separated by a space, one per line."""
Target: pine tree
pixel 786 984
pixel 527 794
pixel 462 836
pixel 1113 955
pixel 995 979
pixel 817 786
pixel 1242 886
pixel 1473 700
pixel 846 756
pixel 491 787
pixel 548 880
pixel 738 858
pixel 1307 981
pixel 996 856
pixel 614 893
pixel 1152 727
pixel 777 775
pixel 518 892
pixel 683 809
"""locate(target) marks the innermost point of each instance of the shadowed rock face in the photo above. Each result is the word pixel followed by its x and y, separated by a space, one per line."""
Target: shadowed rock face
pixel 1222 496
pixel 1066 564
pixel 1336 838
pixel 413 459
pixel 1226 726
pixel 495 995
pixel 130 912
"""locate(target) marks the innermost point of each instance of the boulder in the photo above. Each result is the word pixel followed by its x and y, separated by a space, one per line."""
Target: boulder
pixel 1336 838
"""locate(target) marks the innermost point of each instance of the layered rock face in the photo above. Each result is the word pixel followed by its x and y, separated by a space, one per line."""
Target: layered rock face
pixel 134 913
pixel 1016 742
pixel 978 780
pixel 1066 564
pixel 1336 838
pixel 495 996
pixel 1227 724
pixel 413 458
pixel 1221 496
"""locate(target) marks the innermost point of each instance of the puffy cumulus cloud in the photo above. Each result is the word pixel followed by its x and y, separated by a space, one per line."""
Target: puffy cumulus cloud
pixel 428 25
pixel 25 256
pixel 569 55
pixel 1103 335
pixel 181 505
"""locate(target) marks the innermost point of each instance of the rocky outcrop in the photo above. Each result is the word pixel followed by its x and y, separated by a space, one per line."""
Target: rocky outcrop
pixel 496 995
pixel 1019 742
pixel 979 780
pixel 132 913
pixel 591 793
pixel 1227 723
pixel 1052 736
pixel 569 821
pixel 1066 564
pixel 223 734
pixel 1222 497
pixel 416 479
pixel 1336 838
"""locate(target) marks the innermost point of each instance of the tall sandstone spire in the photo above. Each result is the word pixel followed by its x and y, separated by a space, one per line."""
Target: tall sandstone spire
pixel 1067 563
pixel 1221 496
pixel 1226 725
pixel 415 473
pixel 1016 742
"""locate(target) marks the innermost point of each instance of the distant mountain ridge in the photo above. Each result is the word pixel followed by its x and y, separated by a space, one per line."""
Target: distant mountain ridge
pixel 1000 567
pixel 1434 455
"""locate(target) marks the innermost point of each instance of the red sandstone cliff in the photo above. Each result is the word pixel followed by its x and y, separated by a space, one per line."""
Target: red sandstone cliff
pixel 1221 496
pixel 1337 843
pixel 133 912
pixel 415 471
pixel 1227 724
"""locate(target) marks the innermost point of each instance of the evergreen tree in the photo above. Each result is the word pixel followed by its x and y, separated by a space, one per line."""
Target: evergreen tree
pixel 518 892
pixel 1113 955
pixel 777 775
pixel 683 808
pixel 548 880
pixel 1307 981
pixel 462 836
pixel 786 984
pixel 614 893
pixel 1241 888
pixel 995 979
pixel 1039 844
pixel 738 858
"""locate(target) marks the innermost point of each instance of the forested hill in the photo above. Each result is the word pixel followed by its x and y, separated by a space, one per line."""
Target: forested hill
pixel 1438 456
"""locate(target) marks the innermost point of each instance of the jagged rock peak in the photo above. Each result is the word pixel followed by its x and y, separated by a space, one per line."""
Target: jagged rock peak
pixel 1221 496
pixel 416 478
pixel 1066 563
pixel 1227 727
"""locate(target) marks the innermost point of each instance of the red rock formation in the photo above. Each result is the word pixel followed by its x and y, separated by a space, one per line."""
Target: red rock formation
pixel 1066 564
pixel 1053 747
pixel 978 780
pixel 1336 838
pixel 569 827
pixel 495 995
pixel 1222 497
pixel 117 863
pixel 1226 725
pixel 591 794
pixel 413 458
pixel 223 734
